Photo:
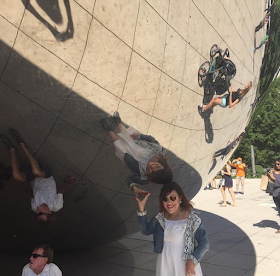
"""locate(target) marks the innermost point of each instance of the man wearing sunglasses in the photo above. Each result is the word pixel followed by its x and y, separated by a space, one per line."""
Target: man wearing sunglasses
pixel 41 263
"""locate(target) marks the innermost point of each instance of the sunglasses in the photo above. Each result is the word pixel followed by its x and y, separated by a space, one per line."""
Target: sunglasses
pixel 40 214
pixel 172 198
pixel 35 256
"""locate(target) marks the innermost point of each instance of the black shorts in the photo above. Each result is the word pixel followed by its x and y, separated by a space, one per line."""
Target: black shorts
pixel 27 170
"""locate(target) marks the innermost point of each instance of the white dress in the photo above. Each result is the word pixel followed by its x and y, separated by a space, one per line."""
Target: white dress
pixel 126 144
pixel 170 261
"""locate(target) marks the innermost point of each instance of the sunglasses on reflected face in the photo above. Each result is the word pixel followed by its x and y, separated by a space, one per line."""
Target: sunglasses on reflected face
pixel 172 198
pixel 35 256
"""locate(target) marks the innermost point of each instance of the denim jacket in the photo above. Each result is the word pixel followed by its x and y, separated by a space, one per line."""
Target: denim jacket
pixel 137 177
pixel 195 243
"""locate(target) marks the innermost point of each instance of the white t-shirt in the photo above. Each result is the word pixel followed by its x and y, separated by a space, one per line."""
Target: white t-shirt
pixel 44 191
pixel 49 270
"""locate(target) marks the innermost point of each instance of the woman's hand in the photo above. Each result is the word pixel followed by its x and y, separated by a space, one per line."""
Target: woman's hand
pixel 270 175
pixel 139 192
pixel 222 171
pixel 190 268
pixel 142 203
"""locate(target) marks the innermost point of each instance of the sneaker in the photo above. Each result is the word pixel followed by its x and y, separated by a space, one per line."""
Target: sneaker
pixel 117 118
pixel 105 124
pixel 200 110
pixel 236 192
pixel 17 136
pixel 242 193
pixel 7 142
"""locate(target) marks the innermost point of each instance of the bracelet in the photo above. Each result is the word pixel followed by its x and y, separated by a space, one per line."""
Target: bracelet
pixel 141 214
pixel 132 185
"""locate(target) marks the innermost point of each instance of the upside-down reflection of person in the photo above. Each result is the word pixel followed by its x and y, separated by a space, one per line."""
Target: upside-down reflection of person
pixel 143 155
pixel 230 100
pixel 45 198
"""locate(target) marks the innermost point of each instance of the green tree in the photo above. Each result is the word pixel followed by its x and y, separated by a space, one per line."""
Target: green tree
pixel 271 60
pixel 264 130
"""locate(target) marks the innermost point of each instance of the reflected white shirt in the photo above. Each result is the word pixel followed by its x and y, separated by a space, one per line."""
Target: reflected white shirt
pixel 49 270
pixel 44 191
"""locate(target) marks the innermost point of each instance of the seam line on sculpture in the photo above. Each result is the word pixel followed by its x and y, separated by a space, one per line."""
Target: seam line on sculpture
pixel 101 86
pixel 128 67
pixel 120 40
pixel 83 8
pixel 159 83
pixel 175 29
pixel 238 31
pixel 12 48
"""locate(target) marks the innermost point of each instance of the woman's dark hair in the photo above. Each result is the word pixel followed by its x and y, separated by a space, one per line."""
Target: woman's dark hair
pixel 167 189
pixel 161 176
pixel 47 252
pixel 278 159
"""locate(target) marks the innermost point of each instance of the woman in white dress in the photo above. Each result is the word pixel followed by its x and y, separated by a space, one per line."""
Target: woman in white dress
pixel 178 234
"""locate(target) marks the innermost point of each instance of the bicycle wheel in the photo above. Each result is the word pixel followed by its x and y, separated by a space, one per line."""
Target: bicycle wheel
pixel 214 49
pixel 204 68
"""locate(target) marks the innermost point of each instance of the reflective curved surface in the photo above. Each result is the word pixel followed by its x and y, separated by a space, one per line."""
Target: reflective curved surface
pixel 66 65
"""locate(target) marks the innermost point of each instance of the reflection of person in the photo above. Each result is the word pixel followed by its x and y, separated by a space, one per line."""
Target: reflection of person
pixel 41 263
pixel 226 150
pixel 262 23
pixel 230 100
pixel 240 173
pixel 270 7
pixel 45 197
pixel 274 176
pixel 178 235
pixel 143 155
pixel 228 184
pixel 264 41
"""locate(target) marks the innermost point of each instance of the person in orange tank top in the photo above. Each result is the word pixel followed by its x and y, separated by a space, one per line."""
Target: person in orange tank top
pixel 240 174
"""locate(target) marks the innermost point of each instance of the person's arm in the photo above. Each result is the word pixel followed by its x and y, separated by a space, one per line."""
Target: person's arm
pixel 232 104
pixel 133 181
pixel 203 243
pixel 148 138
pixel 271 176
pixel 199 251
pixel 69 180
pixel 135 178
pixel 147 228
